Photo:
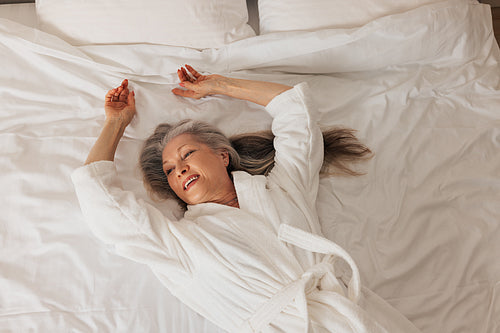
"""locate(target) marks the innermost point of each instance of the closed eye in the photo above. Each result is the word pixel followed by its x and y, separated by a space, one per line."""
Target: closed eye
pixel 168 171
pixel 188 154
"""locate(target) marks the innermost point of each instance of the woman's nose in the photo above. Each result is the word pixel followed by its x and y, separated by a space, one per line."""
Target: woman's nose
pixel 182 169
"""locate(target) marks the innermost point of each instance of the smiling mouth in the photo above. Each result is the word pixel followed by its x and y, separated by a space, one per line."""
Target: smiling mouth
pixel 190 181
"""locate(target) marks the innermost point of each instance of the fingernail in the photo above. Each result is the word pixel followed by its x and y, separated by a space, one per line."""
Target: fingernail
pixel 181 84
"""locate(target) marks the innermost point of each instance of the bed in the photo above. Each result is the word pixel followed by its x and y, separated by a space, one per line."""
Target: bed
pixel 419 81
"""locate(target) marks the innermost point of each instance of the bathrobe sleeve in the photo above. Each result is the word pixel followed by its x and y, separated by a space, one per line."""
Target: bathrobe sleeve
pixel 136 229
pixel 298 141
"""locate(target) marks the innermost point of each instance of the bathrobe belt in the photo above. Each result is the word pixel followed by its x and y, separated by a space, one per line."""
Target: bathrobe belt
pixel 317 278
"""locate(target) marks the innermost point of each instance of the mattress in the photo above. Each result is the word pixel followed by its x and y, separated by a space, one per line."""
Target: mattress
pixel 421 88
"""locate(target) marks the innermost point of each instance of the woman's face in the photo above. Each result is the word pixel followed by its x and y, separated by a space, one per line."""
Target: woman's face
pixel 195 172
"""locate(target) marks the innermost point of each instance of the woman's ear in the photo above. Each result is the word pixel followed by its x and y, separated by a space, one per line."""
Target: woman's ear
pixel 225 157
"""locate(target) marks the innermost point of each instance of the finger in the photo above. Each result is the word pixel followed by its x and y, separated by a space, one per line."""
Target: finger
pixel 119 88
pixel 183 93
pixel 193 71
pixel 188 85
pixel 123 95
pixel 179 92
pixel 110 94
pixel 180 75
pixel 187 76
pixel 117 93
pixel 131 99
pixel 183 73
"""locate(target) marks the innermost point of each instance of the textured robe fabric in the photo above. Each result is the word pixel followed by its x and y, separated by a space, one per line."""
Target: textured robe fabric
pixel 261 268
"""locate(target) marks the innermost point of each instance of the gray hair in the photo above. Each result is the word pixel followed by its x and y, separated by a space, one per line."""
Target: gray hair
pixel 151 161
pixel 250 152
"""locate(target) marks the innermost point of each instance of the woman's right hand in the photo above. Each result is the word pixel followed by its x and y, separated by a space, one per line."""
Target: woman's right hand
pixel 197 85
pixel 120 104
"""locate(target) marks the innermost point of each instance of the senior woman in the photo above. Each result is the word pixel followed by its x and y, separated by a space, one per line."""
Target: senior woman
pixel 248 254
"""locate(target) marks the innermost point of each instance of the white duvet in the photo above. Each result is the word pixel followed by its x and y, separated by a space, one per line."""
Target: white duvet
pixel 423 224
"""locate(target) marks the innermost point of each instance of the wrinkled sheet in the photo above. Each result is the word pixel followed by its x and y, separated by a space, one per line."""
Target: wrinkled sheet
pixel 423 223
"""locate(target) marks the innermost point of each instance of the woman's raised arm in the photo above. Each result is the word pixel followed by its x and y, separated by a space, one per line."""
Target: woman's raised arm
pixel 198 85
pixel 119 108
pixel 298 141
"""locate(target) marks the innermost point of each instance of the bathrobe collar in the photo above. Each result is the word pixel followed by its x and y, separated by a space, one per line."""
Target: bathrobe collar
pixel 244 184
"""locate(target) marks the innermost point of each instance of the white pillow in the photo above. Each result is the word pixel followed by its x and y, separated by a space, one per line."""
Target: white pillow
pixel 288 15
pixel 191 23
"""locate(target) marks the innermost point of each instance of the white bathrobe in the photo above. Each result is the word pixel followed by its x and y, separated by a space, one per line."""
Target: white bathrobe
pixel 260 268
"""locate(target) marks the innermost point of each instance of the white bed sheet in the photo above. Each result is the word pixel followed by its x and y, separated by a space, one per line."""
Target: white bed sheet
pixel 423 224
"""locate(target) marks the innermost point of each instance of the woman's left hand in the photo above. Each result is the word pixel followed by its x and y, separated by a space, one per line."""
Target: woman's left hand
pixel 198 85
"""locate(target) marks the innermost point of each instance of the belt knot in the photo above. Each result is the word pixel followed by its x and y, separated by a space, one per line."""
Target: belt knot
pixel 314 275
